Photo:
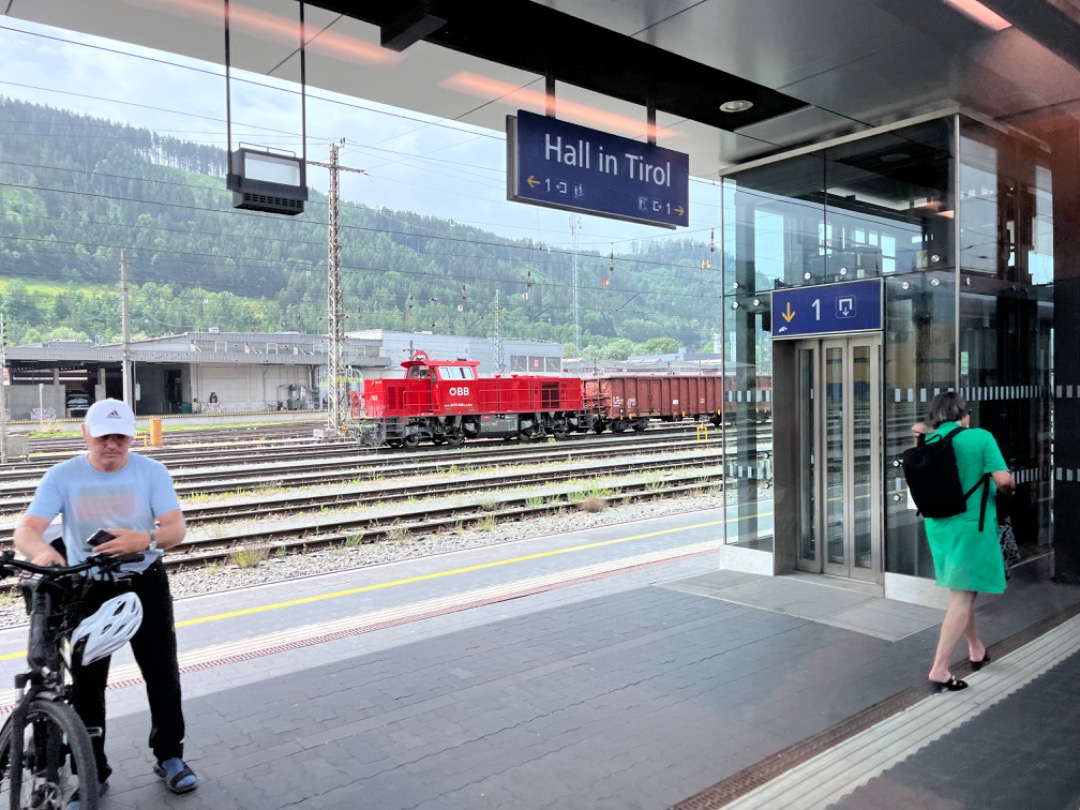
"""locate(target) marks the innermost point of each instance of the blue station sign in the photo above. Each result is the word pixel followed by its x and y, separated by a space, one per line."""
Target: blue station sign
pixel 560 165
pixel 827 309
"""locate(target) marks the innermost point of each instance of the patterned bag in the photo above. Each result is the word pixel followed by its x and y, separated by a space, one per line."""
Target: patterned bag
pixel 1010 553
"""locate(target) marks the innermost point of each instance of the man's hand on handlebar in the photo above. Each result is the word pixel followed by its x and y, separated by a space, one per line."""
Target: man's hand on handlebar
pixel 49 556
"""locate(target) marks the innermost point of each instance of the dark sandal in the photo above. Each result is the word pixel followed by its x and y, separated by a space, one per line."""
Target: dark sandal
pixel 171 784
pixel 977 665
pixel 951 685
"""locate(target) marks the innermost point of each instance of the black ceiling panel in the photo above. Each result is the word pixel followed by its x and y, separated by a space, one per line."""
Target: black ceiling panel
pixel 537 39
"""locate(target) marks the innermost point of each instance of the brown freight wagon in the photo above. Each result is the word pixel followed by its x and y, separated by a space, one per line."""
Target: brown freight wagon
pixel 629 402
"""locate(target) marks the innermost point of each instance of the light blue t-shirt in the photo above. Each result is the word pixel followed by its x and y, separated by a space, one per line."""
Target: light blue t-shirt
pixel 130 498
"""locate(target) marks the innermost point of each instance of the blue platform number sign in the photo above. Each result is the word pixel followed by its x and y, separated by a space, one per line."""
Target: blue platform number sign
pixel 827 309
pixel 560 165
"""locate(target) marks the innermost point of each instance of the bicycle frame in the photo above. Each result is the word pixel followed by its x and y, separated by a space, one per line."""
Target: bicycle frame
pixel 53 594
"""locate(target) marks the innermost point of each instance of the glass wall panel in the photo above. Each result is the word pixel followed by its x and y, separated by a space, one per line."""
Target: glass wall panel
pixel 806 365
pixel 889 203
pixel 773 225
pixel 863 454
pixel 1006 314
pixel 920 361
pixel 835 425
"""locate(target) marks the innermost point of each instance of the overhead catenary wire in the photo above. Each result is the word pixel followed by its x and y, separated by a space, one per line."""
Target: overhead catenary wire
pixel 425 122
pixel 412 230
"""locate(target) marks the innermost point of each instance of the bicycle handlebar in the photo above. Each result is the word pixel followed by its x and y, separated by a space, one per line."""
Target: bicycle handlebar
pixel 105 562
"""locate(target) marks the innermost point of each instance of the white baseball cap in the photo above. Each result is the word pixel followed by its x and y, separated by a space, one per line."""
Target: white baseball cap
pixel 109 416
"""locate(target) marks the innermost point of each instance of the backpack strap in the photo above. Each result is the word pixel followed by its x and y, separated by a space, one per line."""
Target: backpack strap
pixel 984 481
pixel 937 437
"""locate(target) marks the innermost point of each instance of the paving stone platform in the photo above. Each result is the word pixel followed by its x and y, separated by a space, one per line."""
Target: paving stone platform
pixel 636 689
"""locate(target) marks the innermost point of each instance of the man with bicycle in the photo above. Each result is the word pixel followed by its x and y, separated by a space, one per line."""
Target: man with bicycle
pixel 133 499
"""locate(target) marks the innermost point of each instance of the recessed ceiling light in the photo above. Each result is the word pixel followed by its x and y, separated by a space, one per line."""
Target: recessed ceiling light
pixel 738 105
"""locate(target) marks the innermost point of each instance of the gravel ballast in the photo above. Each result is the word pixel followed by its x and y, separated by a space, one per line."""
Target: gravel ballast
pixel 198 580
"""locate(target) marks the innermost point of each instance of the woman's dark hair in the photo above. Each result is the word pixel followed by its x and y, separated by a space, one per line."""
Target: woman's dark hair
pixel 948 406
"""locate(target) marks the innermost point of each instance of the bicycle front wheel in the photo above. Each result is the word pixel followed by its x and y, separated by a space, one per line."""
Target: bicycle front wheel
pixel 55 748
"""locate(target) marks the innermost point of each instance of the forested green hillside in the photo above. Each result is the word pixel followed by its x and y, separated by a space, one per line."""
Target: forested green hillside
pixel 75 191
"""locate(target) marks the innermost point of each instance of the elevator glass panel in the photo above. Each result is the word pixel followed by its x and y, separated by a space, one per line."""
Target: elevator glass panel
pixel 807 370
pixel 862 457
pixel 834 454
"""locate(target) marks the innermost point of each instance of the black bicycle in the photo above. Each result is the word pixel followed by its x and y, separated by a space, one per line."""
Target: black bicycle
pixel 44 744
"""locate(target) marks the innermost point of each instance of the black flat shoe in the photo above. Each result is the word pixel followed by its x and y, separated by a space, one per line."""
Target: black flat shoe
pixel 951 685
pixel 977 665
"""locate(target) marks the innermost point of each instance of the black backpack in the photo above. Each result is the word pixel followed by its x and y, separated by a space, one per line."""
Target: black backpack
pixel 934 479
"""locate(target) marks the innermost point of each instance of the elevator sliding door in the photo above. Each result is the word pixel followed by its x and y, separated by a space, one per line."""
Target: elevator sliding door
pixel 840 457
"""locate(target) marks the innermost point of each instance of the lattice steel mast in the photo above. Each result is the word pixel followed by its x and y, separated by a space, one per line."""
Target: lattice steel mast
pixel 575 226
pixel 336 395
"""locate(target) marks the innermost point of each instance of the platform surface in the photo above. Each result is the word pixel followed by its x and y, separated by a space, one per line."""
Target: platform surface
pixel 613 668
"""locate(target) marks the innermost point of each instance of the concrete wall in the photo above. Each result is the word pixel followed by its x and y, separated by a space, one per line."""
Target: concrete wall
pixel 247 387
pixel 22 399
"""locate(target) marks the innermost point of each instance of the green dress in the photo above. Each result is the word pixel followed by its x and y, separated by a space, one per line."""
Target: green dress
pixel 966 559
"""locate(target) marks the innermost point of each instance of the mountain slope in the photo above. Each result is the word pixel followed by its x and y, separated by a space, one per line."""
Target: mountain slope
pixel 75 191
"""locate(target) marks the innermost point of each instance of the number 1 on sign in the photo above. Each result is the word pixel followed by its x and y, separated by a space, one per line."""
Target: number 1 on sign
pixel 817 309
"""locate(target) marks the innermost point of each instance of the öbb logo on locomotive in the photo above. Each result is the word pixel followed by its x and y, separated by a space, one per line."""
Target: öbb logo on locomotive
pixel 430 403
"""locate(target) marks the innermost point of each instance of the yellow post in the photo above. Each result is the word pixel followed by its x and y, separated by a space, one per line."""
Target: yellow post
pixel 155 433
pixel 702 432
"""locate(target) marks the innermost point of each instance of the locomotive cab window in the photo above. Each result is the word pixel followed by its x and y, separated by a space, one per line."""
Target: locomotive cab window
pixel 419 373
pixel 457 373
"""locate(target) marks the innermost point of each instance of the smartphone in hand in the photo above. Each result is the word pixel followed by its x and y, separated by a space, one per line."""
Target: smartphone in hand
pixel 99 537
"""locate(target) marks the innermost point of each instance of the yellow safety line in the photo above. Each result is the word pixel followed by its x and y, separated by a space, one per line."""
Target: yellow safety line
pixel 436 575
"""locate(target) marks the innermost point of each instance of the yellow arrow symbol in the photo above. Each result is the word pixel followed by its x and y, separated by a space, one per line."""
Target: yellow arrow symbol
pixel 679 210
pixel 787 313
pixel 532 181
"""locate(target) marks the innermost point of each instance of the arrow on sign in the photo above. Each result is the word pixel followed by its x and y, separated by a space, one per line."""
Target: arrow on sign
pixel 532 181
pixel 787 313
pixel 679 210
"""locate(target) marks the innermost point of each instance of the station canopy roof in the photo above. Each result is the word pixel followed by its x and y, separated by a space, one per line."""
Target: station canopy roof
pixel 813 69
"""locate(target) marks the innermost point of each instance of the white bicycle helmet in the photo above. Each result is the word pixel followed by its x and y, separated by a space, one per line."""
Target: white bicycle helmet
pixel 110 627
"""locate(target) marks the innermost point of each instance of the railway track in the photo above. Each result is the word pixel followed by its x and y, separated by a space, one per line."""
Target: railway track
pixel 413 521
pixel 257 449
pixel 258 473
pixel 299 521
pixel 234 434
pixel 316 495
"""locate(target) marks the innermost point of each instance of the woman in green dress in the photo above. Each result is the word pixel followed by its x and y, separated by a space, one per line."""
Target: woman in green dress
pixel 967 561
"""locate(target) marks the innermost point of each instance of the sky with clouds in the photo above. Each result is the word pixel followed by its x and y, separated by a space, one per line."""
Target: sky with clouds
pixel 412 161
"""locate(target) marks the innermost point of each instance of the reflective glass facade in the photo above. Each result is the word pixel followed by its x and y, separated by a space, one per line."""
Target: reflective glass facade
pixel 955 217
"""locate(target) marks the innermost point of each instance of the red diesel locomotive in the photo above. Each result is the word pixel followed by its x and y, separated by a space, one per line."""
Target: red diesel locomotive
pixel 447 401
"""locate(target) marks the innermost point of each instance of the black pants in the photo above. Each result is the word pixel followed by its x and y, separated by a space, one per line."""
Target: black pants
pixel 154 646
